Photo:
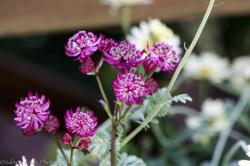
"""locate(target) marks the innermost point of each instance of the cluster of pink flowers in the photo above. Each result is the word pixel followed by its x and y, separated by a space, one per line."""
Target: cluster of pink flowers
pixel 128 87
pixel 32 114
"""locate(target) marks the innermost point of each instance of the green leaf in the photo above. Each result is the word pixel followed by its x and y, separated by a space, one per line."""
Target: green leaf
pixel 184 98
pixel 130 160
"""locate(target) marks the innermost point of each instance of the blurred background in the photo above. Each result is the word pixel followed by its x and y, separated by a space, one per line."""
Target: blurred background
pixel 32 39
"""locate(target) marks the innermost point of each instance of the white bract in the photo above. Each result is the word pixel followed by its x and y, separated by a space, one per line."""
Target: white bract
pixel 211 120
pixel 25 163
pixel 152 31
pixel 207 66
pixel 240 73
pixel 119 3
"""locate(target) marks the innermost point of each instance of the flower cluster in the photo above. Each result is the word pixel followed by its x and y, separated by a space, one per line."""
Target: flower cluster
pixel 33 114
pixel 212 119
pixel 129 87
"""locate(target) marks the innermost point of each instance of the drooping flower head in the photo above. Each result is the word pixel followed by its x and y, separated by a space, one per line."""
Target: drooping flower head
pixel 82 122
pixel 51 124
pixel 87 66
pixel 66 139
pixel 152 86
pixel 31 113
pixel 163 56
pixel 83 44
pixel 124 55
pixel 83 144
pixel 129 88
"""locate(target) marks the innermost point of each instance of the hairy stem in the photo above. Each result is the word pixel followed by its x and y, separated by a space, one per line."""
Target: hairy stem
pixel 113 137
pixel 176 74
pixel 192 45
pixel 58 144
pixel 71 156
pixel 107 106
pixel 238 110
pixel 233 150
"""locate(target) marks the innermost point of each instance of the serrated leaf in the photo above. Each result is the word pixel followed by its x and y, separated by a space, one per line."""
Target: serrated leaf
pixel 160 97
pixel 130 160
pixel 184 98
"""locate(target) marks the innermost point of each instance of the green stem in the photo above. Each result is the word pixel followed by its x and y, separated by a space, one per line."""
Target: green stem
pixel 58 144
pixel 71 156
pixel 177 72
pixel 123 16
pixel 192 45
pixel 107 106
pixel 233 150
pixel 238 110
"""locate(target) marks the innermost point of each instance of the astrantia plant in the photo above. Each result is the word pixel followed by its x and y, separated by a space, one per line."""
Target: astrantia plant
pixel 135 91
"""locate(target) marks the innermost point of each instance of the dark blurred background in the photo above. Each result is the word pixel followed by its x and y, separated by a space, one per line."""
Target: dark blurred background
pixel 32 38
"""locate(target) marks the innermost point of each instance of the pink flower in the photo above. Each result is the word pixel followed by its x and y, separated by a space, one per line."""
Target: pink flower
pixel 67 139
pixel 107 44
pixel 152 86
pixel 83 144
pixel 31 113
pixel 87 66
pixel 124 55
pixel 83 44
pixel 51 124
pixel 149 66
pixel 81 122
pixel 163 56
pixel 129 88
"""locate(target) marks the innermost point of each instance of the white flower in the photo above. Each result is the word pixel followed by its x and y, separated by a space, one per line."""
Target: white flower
pixel 207 66
pixel 152 31
pixel 211 120
pixel 240 73
pixel 25 163
pixel 119 3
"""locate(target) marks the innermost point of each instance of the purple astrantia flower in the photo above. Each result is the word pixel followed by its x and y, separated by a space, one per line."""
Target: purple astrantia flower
pixel 66 139
pixel 51 124
pixel 87 66
pixel 83 44
pixel 124 55
pixel 31 113
pixel 129 88
pixel 152 86
pixel 81 122
pixel 163 56
pixel 149 66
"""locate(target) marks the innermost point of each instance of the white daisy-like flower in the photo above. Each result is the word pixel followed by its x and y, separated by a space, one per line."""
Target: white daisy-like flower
pixel 152 31
pixel 119 3
pixel 245 162
pixel 207 66
pixel 240 73
pixel 25 163
pixel 212 119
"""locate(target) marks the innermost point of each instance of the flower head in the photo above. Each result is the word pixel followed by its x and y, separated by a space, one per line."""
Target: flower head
pixel 129 88
pixel 83 144
pixel 153 31
pixel 51 124
pixel 81 122
pixel 207 66
pixel 87 66
pixel 83 44
pixel 31 113
pixel 66 138
pixel 163 56
pixel 152 86
pixel 124 55
pixel 107 44
pixel 25 163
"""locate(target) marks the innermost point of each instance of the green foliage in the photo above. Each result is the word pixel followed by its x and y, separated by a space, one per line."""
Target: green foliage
pixel 130 160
